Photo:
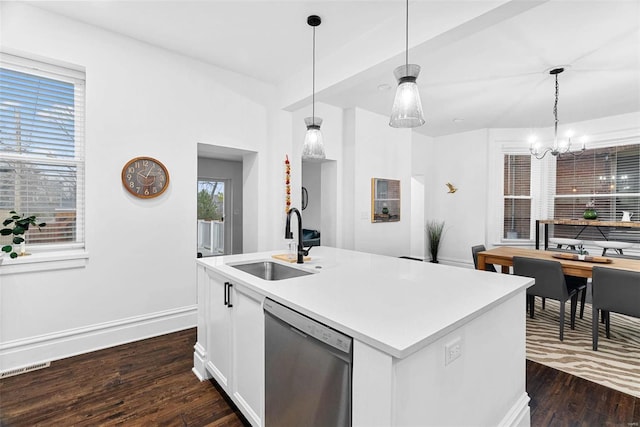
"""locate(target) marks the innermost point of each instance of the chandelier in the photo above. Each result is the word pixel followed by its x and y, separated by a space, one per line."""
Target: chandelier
pixel 560 145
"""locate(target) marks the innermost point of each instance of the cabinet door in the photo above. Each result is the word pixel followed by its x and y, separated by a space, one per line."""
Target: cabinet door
pixel 218 329
pixel 248 353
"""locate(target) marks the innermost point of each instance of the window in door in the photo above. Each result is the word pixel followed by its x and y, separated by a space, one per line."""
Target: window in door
pixel 211 208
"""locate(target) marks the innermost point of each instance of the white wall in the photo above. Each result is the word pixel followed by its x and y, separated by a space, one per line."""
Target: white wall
pixel 380 152
pixel 460 159
pixel 140 276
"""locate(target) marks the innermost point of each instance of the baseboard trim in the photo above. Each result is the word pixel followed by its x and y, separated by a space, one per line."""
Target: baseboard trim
pixel 49 347
pixel 519 415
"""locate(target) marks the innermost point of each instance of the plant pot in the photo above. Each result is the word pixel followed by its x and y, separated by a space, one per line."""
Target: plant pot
pixel 590 214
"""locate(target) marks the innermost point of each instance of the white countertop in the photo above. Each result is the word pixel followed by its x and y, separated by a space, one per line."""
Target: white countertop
pixel 395 305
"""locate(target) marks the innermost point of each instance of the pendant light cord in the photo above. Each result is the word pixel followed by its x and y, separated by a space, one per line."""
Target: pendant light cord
pixel 406 39
pixel 313 80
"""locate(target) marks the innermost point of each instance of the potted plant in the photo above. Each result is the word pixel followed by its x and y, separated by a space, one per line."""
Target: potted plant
pixel 16 226
pixel 434 235
pixel 590 211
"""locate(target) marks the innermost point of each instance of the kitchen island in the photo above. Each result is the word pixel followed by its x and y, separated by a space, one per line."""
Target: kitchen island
pixel 433 344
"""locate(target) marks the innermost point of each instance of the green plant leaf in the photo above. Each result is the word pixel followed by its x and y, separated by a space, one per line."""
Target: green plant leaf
pixel 17 240
pixel 18 230
pixel 7 222
pixel 6 232
pixel 7 248
pixel 13 255
pixel 13 212
pixel 42 224
pixel 14 217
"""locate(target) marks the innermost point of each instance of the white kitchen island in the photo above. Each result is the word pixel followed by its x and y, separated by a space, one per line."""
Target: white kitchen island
pixel 406 318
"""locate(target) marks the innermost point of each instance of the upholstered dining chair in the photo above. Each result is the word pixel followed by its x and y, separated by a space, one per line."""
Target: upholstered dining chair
pixel 474 252
pixel 613 290
pixel 550 283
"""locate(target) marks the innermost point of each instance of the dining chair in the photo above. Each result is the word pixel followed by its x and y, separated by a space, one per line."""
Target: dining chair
pixel 550 283
pixel 613 290
pixel 474 252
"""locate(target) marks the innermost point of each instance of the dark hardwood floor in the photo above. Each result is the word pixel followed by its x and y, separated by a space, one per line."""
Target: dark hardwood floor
pixel 150 382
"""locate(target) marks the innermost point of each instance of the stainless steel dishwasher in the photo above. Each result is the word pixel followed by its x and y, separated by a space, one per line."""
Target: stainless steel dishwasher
pixel 308 370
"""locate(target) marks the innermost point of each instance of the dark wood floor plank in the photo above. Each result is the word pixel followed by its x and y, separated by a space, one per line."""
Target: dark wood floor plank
pixel 147 382
pixel 150 382
pixel 561 399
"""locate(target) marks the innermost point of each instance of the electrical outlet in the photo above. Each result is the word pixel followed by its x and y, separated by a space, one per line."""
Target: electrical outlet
pixel 452 351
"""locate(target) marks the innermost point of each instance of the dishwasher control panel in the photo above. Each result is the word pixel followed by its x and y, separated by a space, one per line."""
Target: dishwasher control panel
pixel 309 326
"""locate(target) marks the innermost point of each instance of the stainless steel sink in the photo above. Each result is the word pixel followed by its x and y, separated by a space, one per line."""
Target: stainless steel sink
pixel 269 270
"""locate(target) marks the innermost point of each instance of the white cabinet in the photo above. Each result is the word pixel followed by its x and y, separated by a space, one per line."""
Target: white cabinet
pixel 218 327
pixel 234 348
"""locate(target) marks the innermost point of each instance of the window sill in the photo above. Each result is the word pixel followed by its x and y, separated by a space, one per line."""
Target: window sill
pixel 44 261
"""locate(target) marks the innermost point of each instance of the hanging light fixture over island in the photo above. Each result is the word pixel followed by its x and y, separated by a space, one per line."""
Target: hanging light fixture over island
pixel 407 107
pixel 313 148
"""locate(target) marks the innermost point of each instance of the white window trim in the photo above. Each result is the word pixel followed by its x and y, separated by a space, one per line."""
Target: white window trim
pixel 73 255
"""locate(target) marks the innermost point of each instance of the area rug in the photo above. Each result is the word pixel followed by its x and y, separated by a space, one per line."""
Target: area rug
pixel 616 364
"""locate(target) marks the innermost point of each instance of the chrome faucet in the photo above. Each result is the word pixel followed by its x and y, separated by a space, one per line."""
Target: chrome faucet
pixel 289 235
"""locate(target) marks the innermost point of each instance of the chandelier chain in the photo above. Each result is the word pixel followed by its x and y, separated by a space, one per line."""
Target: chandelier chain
pixel 555 108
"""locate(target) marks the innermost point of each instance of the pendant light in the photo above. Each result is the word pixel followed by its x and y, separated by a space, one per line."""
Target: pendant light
pixel 313 148
pixel 407 108
pixel 559 146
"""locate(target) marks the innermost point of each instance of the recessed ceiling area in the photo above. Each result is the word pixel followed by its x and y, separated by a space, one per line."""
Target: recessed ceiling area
pixel 484 63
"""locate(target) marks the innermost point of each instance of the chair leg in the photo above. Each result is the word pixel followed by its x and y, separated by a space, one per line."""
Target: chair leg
pixel 574 308
pixel 543 301
pixel 607 322
pixel 532 305
pixel 594 329
pixel 582 300
pixel 562 320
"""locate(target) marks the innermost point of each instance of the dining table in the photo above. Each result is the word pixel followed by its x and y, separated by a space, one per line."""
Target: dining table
pixel 572 264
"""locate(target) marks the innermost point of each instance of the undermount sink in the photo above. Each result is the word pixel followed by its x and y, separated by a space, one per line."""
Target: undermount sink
pixel 269 270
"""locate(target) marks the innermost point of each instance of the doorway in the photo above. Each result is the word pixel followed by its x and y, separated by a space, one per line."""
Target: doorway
pixel 212 207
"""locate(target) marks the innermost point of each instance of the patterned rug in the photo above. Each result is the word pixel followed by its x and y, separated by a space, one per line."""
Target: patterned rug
pixel 616 364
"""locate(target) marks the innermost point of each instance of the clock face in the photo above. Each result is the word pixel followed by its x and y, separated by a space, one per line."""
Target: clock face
pixel 145 177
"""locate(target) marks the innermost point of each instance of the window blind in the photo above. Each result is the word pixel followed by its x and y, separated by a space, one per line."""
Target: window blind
pixel 42 148
pixel 609 177
pixel 517 196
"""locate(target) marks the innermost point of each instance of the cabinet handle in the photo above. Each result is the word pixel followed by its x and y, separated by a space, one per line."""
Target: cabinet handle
pixel 226 293
pixel 229 295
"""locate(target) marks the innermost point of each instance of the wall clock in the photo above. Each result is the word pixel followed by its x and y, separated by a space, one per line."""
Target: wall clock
pixel 145 177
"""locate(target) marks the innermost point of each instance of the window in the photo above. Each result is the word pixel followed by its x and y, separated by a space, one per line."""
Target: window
pixel 517 196
pixel 610 177
pixel 42 149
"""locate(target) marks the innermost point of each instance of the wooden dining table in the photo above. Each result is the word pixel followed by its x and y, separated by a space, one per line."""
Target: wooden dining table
pixel 503 256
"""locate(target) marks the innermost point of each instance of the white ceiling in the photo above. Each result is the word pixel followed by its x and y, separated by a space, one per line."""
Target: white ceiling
pixel 483 62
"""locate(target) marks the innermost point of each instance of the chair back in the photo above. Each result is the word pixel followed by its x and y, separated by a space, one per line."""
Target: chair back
pixel 474 252
pixel 550 281
pixel 616 290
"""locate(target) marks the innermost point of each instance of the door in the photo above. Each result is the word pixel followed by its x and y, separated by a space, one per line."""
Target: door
pixel 213 233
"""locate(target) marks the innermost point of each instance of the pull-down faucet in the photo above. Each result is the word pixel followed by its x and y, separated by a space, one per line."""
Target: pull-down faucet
pixel 289 235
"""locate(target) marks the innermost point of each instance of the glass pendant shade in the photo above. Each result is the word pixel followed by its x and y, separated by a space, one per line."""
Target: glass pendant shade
pixel 313 148
pixel 407 107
